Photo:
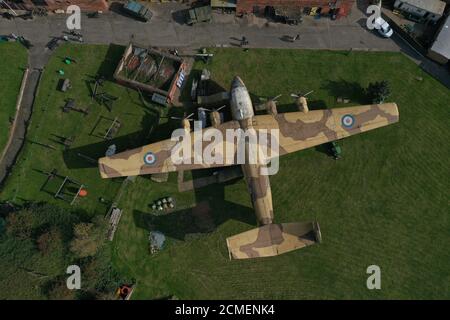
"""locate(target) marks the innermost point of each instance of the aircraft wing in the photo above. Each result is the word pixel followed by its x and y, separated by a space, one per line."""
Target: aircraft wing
pixel 156 158
pixel 299 130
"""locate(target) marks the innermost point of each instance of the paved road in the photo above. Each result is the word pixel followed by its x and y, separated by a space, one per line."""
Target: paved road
pixel 163 31
pixel 166 29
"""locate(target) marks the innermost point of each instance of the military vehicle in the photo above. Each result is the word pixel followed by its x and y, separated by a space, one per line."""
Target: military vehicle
pixel 199 14
pixel 292 132
pixel 137 10
pixel 336 150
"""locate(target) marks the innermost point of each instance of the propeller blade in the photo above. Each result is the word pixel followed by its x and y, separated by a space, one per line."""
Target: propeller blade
pixel 275 98
pixel 221 108
pixel 204 109
pixel 294 95
pixel 308 93
pixel 189 116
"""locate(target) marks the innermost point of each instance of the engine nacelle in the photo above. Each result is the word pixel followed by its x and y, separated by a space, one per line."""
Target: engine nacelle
pixel 186 125
pixel 302 104
pixel 271 107
pixel 215 118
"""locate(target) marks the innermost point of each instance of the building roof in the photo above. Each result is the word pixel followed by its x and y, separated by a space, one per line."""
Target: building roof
pixel 223 3
pixel 442 43
pixel 433 6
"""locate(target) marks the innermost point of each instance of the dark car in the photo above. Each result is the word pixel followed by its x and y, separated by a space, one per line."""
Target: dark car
pixel 137 10
pixel 53 43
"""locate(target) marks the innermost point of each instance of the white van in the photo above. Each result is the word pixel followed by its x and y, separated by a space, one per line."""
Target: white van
pixel 383 27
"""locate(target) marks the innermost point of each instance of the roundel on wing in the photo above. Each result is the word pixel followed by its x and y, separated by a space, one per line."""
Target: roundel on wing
pixel 348 121
pixel 149 158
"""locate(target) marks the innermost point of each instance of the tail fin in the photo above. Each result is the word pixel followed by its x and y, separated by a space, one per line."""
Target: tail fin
pixel 273 239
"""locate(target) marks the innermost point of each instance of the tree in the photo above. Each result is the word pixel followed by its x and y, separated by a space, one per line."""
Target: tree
pixel 88 237
pixel 378 92
pixel 40 240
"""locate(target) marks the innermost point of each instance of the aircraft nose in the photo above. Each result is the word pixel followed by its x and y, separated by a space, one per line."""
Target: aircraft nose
pixel 237 82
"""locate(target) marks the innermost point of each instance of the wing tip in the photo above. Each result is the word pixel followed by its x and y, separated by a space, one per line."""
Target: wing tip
pixel 102 169
pixel 105 170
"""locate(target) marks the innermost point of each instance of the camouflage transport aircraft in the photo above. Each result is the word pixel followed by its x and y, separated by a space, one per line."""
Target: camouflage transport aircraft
pixel 297 131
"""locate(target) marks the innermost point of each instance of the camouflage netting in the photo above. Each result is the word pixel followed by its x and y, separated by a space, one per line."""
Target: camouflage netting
pixel 149 68
pixel 157 240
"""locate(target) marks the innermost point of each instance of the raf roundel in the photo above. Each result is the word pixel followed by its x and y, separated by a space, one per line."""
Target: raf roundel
pixel 149 158
pixel 348 121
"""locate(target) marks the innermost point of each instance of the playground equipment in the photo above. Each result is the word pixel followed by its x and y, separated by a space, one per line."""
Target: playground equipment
pixel 65 190
pixel 113 129
pixel 70 105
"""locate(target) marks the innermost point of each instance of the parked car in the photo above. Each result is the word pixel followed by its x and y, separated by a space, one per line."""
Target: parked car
pixel 383 28
pixel 137 10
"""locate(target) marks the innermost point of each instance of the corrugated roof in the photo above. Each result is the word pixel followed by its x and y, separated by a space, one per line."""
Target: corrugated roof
pixel 442 43
pixel 433 6
pixel 223 3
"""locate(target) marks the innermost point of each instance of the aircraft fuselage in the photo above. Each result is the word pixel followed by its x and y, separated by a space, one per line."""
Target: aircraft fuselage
pixel 258 185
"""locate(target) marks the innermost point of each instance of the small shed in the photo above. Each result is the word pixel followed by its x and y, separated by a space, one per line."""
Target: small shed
pixel 440 50
pixel 151 70
pixel 223 4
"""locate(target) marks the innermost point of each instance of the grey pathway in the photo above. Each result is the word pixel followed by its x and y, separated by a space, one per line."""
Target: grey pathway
pixel 38 58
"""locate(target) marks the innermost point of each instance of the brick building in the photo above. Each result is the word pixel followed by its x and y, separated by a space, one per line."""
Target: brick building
pixel 259 6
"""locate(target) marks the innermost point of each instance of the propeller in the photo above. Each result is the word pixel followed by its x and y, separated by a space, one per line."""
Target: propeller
pixel 274 99
pixel 185 118
pixel 298 95
pixel 209 110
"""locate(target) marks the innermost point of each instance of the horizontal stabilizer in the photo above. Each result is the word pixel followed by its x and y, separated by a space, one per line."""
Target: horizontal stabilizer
pixel 273 239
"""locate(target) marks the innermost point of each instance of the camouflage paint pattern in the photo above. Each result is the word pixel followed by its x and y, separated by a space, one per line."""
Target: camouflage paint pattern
pixel 297 131
pixel 273 239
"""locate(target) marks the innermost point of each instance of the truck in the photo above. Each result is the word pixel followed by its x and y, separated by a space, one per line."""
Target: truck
pixel 199 14
pixel 137 10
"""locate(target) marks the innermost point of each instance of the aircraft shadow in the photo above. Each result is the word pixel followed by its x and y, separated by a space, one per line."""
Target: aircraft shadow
pixel 346 89
pixel 210 212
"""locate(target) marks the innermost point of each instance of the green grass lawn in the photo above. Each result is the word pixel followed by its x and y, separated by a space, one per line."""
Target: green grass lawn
pixel 385 202
pixel 12 65
pixel 50 125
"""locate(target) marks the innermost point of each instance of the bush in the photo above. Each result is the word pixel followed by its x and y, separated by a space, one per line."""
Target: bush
pixel 378 92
